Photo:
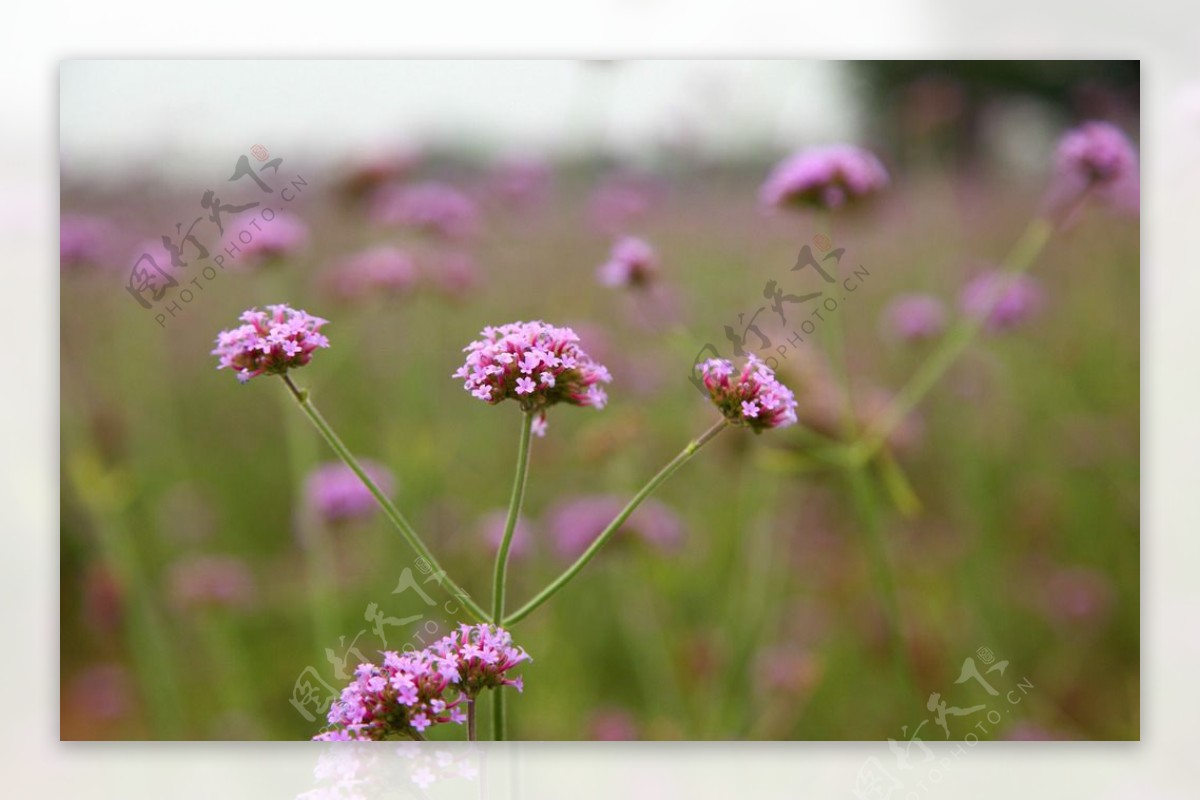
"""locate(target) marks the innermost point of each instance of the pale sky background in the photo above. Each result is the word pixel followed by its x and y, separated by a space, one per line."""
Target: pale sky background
pixel 186 117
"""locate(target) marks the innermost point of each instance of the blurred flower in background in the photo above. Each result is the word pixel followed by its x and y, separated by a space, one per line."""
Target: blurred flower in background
pixel 576 522
pixel 914 317
pixel 337 495
pixel 382 270
pixel 1001 300
pixel 211 581
pixel 612 724
pixel 431 207
pixel 1097 157
pixel 103 691
pixel 824 177
pixel 491 531
pixel 519 182
pixel 632 263
pixel 263 240
pixel 622 199
pixel 85 241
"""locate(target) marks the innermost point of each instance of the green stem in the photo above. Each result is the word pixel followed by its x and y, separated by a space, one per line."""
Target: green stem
pixel 471 720
pixel 865 504
pixel 500 578
pixel 1023 254
pixel 836 338
pixel 514 512
pixel 389 509
pixel 645 492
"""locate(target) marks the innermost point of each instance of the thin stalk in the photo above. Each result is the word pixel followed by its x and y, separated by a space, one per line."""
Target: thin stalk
pixel 645 492
pixel 835 339
pixel 318 560
pixel 501 578
pixel 867 508
pixel 389 509
pixel 471 735
pixel 514 512
pixel 964 331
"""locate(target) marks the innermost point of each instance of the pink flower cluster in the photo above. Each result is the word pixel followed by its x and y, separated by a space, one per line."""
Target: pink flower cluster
pixel 824 177
pixel 269 342
pixel 632 263
pixel 410 692
pixel 536 364
pixel 751 397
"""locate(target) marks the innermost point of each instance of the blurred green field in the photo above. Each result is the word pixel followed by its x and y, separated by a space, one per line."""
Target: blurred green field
pixel 768 622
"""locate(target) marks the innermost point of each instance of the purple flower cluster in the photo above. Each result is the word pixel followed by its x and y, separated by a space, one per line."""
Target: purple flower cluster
pixel 915 317
pixel 536 364
pixel 337 495
pixel 410 692
pixel 432 207
pixel 751 397
pixel 1001 300
pixel 632 263
pixel 1098 156
pixel 824 177
pixel 269 342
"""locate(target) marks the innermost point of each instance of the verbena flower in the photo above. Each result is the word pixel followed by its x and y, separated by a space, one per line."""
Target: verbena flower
pixel 632 263
pixel 482 655
pixel 374 271
pixel 535 364
pixel 1099 157
pixel 915 317
pixel 824 177
pixel 404 696
pixel 751 396
pixel 337 495
pixel 1002 301
pixel 270 342
pixel 410 692
pixel 431 207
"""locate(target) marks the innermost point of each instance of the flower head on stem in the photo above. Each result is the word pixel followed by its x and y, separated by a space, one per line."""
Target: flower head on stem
pixel 752 396
pixel 270 342
pixel 535 364
pixel 410 692
pixel 825 178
